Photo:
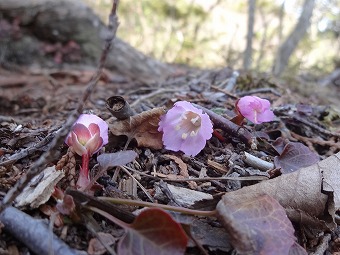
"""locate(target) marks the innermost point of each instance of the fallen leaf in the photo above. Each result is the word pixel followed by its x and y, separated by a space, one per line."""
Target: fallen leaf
pixel 182 166
pixel 119 158
pixel 40 189
pixel 294 156
pixel 142 127
pixel 96 247
pixel 310 195
pixel 256 225
pixel 153 232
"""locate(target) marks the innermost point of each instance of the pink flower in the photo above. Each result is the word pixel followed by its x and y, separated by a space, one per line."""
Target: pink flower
pixel 255 109
pixel 88 135
pixel 185 128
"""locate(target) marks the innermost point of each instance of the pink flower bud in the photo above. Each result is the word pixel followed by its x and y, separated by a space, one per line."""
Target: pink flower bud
pixel 185 128
pixel 255 109
pixel 88 135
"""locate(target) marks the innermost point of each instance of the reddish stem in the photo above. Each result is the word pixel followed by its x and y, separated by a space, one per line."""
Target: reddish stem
pixel 85 160
pixel 218 135
pixel 84 178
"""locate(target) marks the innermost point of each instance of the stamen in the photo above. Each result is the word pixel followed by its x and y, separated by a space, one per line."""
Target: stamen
pixel 196 121
pixel 193 133
pixel 177 127
pixel 184 136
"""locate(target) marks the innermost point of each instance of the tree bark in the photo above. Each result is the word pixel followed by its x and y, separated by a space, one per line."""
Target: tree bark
pixel 289 45
pixel 40 22
pixel 247 60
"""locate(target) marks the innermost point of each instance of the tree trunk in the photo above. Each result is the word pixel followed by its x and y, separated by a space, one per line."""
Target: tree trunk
pixel 28 27
pixel 247 60
pixel 289 45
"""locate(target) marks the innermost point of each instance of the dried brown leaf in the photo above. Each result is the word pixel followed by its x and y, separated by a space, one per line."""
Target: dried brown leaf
pixel 256 225
pixel 310 195
pixel 182 166
pixel 143 127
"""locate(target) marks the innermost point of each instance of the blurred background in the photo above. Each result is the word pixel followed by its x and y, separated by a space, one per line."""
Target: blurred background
pixel 211 34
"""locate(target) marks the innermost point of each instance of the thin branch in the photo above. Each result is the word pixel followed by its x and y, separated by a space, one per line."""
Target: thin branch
pixel 231 128
pixel 138 183
pixel 33 233
pixel 28 151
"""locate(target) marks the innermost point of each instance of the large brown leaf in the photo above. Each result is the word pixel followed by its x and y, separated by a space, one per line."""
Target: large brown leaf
pixel 257 225
pixel 310 195
pixel 143 127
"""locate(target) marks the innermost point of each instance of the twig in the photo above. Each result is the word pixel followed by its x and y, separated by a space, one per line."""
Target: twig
pixel 28 151
pixel 259 90
pixel 58 140
pixel 138 183
pixel 231 128
pixel 284 115
pixel 317 141
pixel 152 94
pixel 227 178
pixel 256 162
pixel 225 92
pixel 33 233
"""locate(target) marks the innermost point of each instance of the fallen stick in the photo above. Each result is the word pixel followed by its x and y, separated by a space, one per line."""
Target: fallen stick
pixel 34 233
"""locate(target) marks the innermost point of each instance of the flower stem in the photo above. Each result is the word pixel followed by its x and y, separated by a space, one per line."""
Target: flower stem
pixel 85 160
pixel 84 179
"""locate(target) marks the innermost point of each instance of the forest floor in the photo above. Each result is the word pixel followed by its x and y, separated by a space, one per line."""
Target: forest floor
pixel 35 103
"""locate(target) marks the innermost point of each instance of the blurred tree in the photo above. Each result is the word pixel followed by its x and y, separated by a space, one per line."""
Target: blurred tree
pixel 247 57
pixel 289 45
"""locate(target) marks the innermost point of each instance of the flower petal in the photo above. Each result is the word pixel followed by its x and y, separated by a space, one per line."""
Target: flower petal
pixel 206 129
pixel 266 116
pixel 94 144
pixel 194 145
pixel 88 119
pixel 172 139
pixel 82 132
pixel 76 145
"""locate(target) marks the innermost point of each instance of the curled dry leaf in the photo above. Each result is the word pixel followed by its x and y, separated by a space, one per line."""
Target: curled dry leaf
pixel 153 232
pixel 257 225
pixel 310 195
pixel 143 127
pixel 182 166
pixel 295 156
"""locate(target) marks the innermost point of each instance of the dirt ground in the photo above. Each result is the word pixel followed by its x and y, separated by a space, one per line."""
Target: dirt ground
pixel 35 102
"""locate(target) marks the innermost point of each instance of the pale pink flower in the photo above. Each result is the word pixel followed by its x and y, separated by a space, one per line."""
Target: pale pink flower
pixel 185 128
pixel 255 109
pixel 88 135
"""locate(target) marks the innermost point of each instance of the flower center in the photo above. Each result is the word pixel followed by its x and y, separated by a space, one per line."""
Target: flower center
pixel 189 124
